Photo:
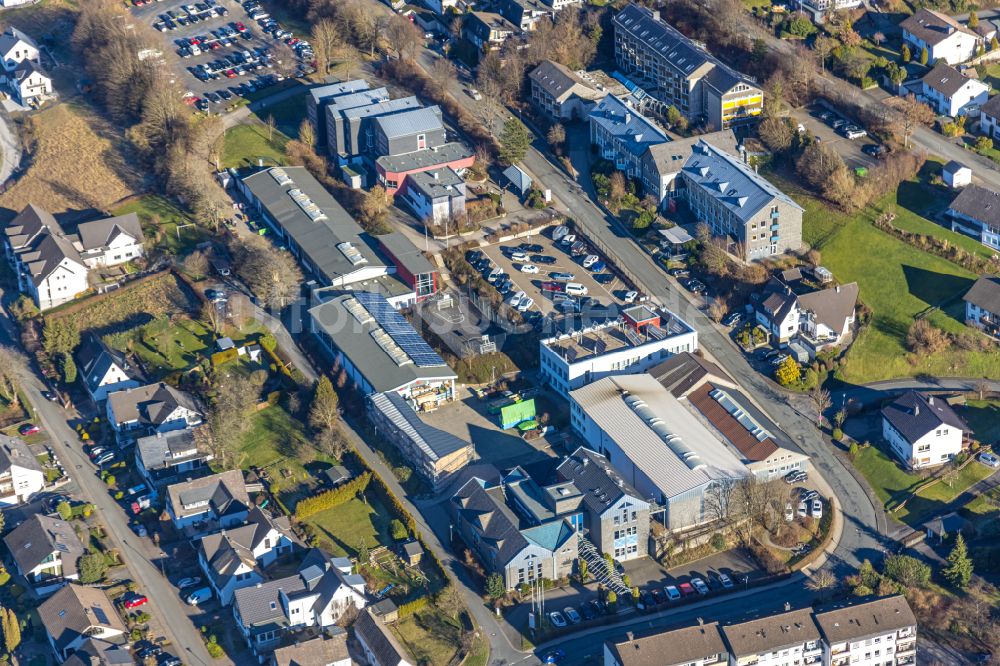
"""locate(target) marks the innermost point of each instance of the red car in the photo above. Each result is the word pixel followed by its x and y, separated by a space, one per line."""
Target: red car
pixel 686 589
pixel 190 100
pixel 135 601
pixel 29 429
pixel 230 74
pixel 240 27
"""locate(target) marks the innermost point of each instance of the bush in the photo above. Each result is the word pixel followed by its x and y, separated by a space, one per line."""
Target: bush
pixel 838 434
pixel 92 567
pixel 718 542
pixel 4 578
pixel 64 510
pixel 398 530
pixel 411 607
pixel 331 498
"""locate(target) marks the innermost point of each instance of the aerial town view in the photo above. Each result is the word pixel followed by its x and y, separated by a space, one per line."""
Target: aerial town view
pixel 499 332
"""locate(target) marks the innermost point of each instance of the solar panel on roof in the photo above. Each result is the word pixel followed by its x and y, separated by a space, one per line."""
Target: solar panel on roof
pixel 400 330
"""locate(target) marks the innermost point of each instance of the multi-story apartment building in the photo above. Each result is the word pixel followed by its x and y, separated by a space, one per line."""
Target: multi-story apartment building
pixel 756 219
pixel 638 340
pixel 622 134
pixel 679 72
pixel 785 639
pixel 560 93
pixel 878 633
pixel 699 645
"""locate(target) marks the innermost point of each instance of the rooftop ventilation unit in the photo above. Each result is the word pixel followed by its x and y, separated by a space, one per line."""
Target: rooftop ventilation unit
pixel 744 419
pixel 305 203
pixel 672 440
pixel 281 177
pixel 352 253
pixel 389 346
pixel 358 311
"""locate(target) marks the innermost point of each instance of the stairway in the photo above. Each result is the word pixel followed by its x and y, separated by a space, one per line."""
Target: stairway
pixel 598 568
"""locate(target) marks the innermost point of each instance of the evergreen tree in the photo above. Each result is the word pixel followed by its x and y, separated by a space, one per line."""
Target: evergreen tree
pixel 11 630
pixel 495 588
pixel 905 53
pixel 959 569
pixel 973 19
pixel 514 142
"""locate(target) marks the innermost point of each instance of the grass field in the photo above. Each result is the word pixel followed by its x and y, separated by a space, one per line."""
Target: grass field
pixel 75 163
pixel 342 528
pixel 288 114
pixel 893 484
pixel 983 416
pixel 244 144
pixel 431 636
pixel 160 221
pixel 902 283
pixel 166 347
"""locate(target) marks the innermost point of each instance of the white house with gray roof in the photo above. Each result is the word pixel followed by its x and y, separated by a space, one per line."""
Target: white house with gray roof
pixel 944 37
pixel 976 212
pixel 622 134
pixel 378 643
pixel 951 93
pixel 982 305
pixel 22 67
pixel 163 456
pixel 434 196
pixel 754 218
pixel 679 72
pixel 103 370
pixel 379 350
pixel 317 596
pixel 144 410
pixel 111 241
pixel 21 476
pixel 656 445
pixel 219 501
pixel 923 430
pixel 45 551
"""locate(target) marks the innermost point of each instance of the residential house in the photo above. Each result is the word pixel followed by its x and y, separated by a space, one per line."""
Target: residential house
pixel 520 549
pixel 820 319
pixel 982 305
pixel 989 118
pixel 141 411
pixel 616 516
pixel 756 219
pixel 976 212
pixel 379 350
pixel 111 241
pixel 379 645
pixel 659 447
pixel 16 47
pixel 923 430
pixel 163 456
pixel 103 370
pixel 639 339
pixel 45 551
pixel 881 631
pixel 560 93
pixel 317 596
pixel 29 83
pixel 76 614
pixel 679 72
pixel 622 134
pixel 442 7
pixel 327 649
pixel 944 38
pixel 21 476
pixel 526 14
pixel 217 500
pixel 662 164
pixel 434 454
pixel 951 93
pixel 436 196
pixel 818 9
pixel 235 558
pixel 710 394
pixel 487 30
pixel 956 175
pixel 791 637
pixel 698 645
pixel 95 652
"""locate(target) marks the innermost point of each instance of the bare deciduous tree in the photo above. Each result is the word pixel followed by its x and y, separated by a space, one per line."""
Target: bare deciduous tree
pixel 822 582
pixel 227 420
pixel 442 73
pixel 271 274
pixel 821 402
pixel 404 36
pixel 326 44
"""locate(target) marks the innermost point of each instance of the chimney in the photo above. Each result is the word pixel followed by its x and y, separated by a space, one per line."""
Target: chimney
pixel 788 606
pixel 435 175
pixel 586 461
pixel 630 636
pixel 701 621
pixel 628 117
pixel 930 400
pixel 916 410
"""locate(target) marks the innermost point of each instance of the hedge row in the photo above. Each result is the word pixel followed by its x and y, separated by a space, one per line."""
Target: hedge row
pixel 411 607
pixel 332 498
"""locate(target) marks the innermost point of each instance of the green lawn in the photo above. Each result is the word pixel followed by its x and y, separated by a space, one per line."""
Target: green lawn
pixel 244 144
pixel 431 635
pixel 342 528
pixel 991 76
pixel 893 484
pixel 166 347
pixel 160 220
pixel 983 416
pixel 898 282
pixel 288 114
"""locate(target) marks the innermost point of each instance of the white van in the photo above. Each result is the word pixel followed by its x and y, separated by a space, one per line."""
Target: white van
pixel 201 595
pixel 575 289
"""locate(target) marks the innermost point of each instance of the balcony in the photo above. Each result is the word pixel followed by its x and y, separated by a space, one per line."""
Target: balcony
pixel 775 226
pixel 904 633
pixel 906 648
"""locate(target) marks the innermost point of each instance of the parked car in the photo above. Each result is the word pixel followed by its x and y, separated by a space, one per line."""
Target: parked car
pixel 561 277
pixel 190 581
pixel 542 259
pixel 659 597
pixel 557 619
pixel 474 94
pixel 724 580
pixel 139 529
pixel 525 304
pixel 530 247
pixel 134 601
pixel 686 589
pixel 733 319
pixel 168 660
pixel 515 299
pixel 96 452
pixel 679 272
pixel 700 586
pixel 104 458
pixel 809 495
pixel 587 611
pixel 673 594
pixel 529 268
pixel 803 510
pixel 853 132
pixel 201 595
pixel 555 656
pixel 517 255
pixel 989 459
pixel 789 512
pixel 598 267
pixel 630 296
pixel 150 650
pixel 590 260
pixel 50 396
pixel 29 429
pixel 572 615
pixel 874 149
pixel 817 509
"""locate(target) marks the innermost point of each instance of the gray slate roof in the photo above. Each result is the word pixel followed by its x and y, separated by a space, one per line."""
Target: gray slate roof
pixel 916 414
pixel 669 648
pixel 46 252
pixel 681 372
pixel 991 107
pixel 378 638
pixel 355 341
pixel 945 79
pixel 99 233
pixel 932 27
pixel 732 182
pixel 408 123
pixel 404 252
pixel 516 176
pixel 74 609
pixel 14 452
pixel 437 183
pixel 11 36
pixel 560 81
pixel 832 307
pixel 375 110
pixel 26 68
pixel 669 157
pixel 224 551
pixel 985 294
pixel 328 648
pixel 95 359
pixel 978 203
pixel 358 99
pixel 38 537
pixel 418 160
pixel 593 474
pixel 435 443
pixel 108 654
pixel 226 493
pixel 321 93
pixel 150 405
pixel 486 509
pixel 771 633
pixel 29 222
pixel 635 131
pixel 862 620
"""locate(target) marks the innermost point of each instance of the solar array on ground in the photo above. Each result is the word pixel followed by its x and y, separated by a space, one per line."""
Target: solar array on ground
pixel 400 330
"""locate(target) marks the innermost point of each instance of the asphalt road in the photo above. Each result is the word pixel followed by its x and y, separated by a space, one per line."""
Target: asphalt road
pixel 137 553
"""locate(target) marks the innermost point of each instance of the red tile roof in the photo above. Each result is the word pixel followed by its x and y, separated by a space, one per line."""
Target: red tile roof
pixel 752 449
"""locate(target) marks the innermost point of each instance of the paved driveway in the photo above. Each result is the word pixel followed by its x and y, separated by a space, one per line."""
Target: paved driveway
pixel 849 150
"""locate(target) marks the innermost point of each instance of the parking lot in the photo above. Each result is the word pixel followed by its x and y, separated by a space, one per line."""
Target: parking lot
pixel 223 54
pixel 850 151
pixel 602 289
